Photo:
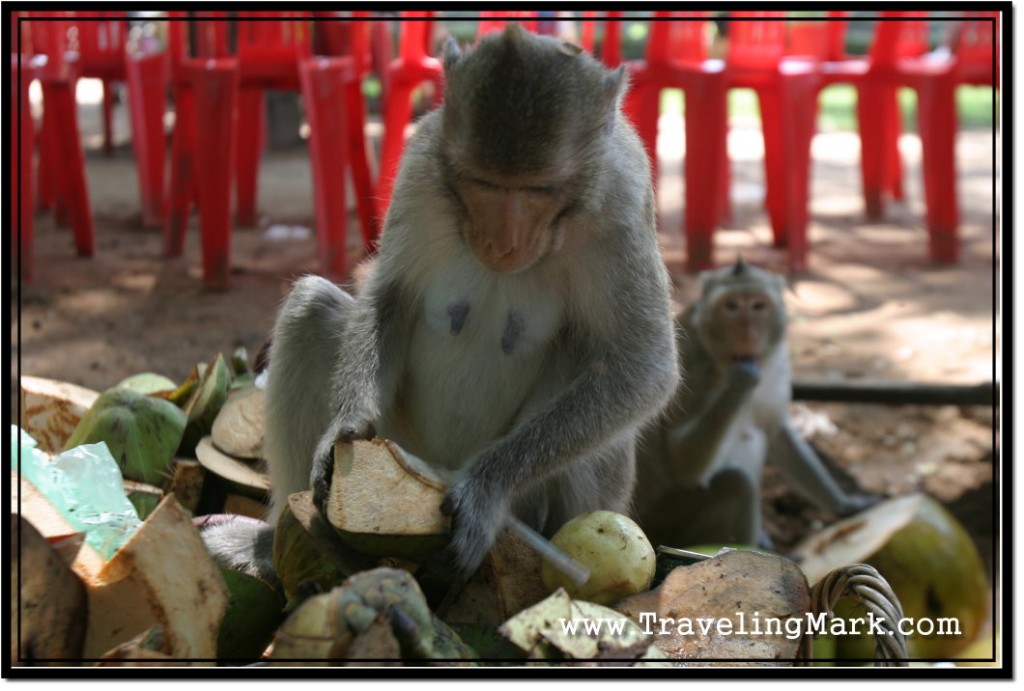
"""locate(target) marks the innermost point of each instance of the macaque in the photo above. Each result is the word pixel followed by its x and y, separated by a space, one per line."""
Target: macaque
pixel 515 330
pixel 700 469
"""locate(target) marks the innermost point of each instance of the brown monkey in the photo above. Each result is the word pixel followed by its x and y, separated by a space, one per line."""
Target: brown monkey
pixel 700 469
pixel 515 330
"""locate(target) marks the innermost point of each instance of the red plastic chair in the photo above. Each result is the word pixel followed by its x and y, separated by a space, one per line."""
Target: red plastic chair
pixel 935 79
pixel 787 88
pixel 62 163
pixel 413 66
pixel 898 57
pixel 333 95
pixel 676 57
pixel 102 41
pixel 611 42
pixel 205 96
pixel 268 56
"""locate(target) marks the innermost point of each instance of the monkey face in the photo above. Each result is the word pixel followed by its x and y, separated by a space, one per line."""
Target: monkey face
pixel 510 226
pixel 741 325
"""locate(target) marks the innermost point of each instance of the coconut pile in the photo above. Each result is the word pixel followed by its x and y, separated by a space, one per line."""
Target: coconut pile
pixel 113 487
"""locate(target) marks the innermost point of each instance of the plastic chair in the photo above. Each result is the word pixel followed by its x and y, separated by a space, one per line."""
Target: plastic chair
pixel 935 79
pixel 676 57
pixel 787 88
pixel 102 42
pixel 335 107
pixel 205 96
pixel 268 56
pixel 898 57
pixel 413 66
pixel 611 42
pixel 62 163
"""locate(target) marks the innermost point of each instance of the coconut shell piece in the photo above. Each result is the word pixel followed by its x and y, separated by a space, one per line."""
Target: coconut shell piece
pixel 385 502
pixel 732 594
pixel 244 476
pixel 238 429
pixel 49 604
pixel 926 556
pixel 51 410
pixel 205 403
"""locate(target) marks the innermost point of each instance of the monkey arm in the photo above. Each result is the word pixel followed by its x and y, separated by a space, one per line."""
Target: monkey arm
pixel 372 338
pixel 695 445
pixel 794 456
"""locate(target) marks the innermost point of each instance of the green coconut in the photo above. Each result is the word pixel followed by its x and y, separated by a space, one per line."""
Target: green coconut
pixel 149 383
pixel 613 547
pixel 255 609
pixel 925 555
pixel 142 432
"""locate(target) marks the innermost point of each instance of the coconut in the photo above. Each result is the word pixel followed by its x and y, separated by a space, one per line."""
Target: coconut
pixel 149 383
pixel 620 558
pixel 142 432
pixel 927 557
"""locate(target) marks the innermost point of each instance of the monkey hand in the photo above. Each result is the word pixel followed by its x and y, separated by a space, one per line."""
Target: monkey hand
pixel 347 432
pixel 478 513
pixel 743 376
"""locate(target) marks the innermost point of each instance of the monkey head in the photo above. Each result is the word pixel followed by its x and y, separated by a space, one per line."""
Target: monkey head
pixel 524 122
pixel 741 314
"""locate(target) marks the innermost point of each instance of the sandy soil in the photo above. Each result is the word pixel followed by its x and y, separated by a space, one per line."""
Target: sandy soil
pixel 870 307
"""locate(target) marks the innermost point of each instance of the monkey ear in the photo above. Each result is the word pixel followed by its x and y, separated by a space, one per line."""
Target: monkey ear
pixel 740 267
pixel 613 87
pixel 452 54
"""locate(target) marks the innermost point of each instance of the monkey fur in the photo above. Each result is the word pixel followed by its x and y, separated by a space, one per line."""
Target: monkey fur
pixel 700 469
pixel 515 331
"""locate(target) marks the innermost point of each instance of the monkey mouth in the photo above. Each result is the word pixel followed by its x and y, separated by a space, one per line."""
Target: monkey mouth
pixel 746 358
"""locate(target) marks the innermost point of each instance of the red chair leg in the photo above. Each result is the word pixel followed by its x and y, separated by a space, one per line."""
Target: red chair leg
pixel 800 96
pixel 323 93
pixel 71 176
pixel 147 83
pixel 108 117
pixel 937 122
pixel 893 161
pixel 46 174
pixel 251 136
pixel 775 173
pixel 362 179
pixel 215 89
pixel 22 141
pixel 705 113
pixel 871 99
pixel 182 188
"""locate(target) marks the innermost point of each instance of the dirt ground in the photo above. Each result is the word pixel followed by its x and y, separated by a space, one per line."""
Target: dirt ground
pixel 870 307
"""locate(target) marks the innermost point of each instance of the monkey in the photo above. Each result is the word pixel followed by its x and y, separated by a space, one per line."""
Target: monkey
pixel 515 329
pixel 700 467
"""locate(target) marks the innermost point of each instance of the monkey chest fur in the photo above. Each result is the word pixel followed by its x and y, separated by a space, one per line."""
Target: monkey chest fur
pixel 478 362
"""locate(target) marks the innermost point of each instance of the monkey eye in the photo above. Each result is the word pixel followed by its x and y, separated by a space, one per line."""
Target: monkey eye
pixel 758 305
pixel 731 306
pixel 483 184
pixel 540 189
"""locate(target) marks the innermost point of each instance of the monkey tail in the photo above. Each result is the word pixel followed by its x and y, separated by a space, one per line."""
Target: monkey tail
pixel 243 545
